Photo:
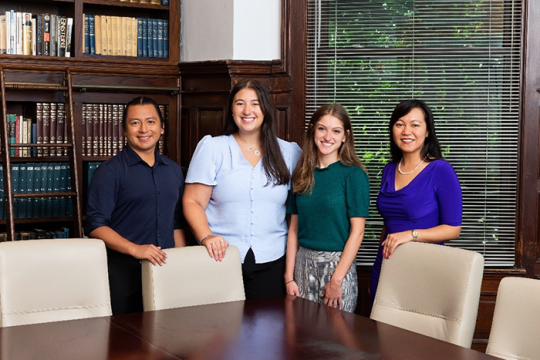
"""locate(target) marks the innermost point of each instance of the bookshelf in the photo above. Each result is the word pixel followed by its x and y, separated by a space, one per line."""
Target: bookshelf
pixel 76 89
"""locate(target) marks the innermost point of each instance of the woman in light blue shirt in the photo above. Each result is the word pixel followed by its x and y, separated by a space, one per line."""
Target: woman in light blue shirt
pixel 237 186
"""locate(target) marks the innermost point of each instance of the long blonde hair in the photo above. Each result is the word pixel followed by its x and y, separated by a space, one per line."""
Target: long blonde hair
pixel 304 173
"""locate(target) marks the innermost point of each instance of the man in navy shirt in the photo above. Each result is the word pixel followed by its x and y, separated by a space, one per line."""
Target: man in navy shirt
pixel 134 205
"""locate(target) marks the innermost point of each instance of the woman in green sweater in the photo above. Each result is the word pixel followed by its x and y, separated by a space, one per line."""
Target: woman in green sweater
pixel 328 204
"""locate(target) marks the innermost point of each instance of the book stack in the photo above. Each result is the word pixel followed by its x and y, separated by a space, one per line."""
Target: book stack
pixel 38 178
pixel 124 36
pixel 43 123
pixel 102 130
pixel 22 33
pixel 60 233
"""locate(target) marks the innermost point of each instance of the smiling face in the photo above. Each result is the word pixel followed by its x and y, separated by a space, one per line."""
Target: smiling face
pixel 410 132
pixel 143 128
pixel 329 136
pixel 247 112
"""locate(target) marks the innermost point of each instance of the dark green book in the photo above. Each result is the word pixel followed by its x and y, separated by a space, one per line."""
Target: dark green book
pixel 57 167
pixel 30 190
pixel 21 207
pixel 64 201
pixel 36 212
pixel 15 188
pixel 44 188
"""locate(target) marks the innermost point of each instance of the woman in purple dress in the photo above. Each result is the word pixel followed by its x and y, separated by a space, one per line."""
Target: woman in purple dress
pixel 420 196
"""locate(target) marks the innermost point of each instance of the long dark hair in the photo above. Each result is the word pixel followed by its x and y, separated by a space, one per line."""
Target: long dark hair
pixel 431 148
pixel 304 174
pixel 273 162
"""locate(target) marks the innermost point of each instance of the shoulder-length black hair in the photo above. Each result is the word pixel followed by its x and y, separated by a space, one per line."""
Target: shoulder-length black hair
pixel 431 148
pixel 273 163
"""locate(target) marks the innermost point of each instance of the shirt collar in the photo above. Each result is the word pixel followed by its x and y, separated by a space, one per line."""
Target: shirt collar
pixel 133 158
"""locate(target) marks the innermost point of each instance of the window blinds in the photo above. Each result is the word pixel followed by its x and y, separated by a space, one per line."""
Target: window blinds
pixel 461 57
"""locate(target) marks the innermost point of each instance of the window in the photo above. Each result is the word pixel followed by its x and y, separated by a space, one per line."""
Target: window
pixel 462 57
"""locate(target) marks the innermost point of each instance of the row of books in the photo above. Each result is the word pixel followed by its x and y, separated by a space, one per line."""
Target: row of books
pixel 35 178
pixel 102 131
pixel 125 36
pixel 43 123
pixel 60 233
pixel 23 33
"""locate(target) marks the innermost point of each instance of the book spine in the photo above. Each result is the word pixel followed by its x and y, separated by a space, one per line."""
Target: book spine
pixel 166 39
pixel 46 34
pixel 19 32
pixel 42 189
pixel 101 129
pixel 140 38
pixel 18 134
pixel 60 127
pixel 160 38
pixel 50 183
pixel 46 126
pixel 57 168
pixel 95 131
pixel 30 190
pixel 12 32
pixel 92 34
pixel 165 2
pixel 39 127
pixel 83 130
pixel 34 36
pixel 33 151
pixel 97 35
pixel 64 202
pixel 144 37
pixel 25 136
pixel 86 38
pixel 109 121
pixel 150 38
pixel 39 34
pixel 27 33
pixel 3 47
pixel 113 113
pixel 15 188
pixel 62 38
pixel 53 127
pixel 155 39
pixel 54 35
pixel 21 206
pixel 89 131
pixel 69 36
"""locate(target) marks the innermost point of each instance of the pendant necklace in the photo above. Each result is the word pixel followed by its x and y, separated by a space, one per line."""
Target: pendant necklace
pixel 413 170
pixel 249 148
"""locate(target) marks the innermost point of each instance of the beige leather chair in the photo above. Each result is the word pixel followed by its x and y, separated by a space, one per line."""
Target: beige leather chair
pixel 432 290
pixel 516 322
pixel 190 277
pixel 52 280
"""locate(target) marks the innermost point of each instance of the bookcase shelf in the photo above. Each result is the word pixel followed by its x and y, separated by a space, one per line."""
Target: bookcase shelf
pixel 95 80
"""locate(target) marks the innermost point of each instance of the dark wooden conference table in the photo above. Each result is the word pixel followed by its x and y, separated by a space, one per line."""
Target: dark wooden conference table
pixel 279 328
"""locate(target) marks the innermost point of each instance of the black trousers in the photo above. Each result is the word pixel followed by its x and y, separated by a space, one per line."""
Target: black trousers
pixel 263 280
pixel 125 282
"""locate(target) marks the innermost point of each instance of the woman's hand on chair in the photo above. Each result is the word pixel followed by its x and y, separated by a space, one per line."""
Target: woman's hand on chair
pixel 392 241
pixel 216 246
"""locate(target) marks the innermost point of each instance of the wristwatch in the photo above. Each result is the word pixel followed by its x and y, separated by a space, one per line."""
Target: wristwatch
pixel 414 235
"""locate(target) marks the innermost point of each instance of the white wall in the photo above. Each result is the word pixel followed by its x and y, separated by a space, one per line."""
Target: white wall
pixel 207 29
pixel 231 30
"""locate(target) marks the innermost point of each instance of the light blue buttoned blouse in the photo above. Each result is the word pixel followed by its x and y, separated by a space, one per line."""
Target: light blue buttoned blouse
pixel 243 208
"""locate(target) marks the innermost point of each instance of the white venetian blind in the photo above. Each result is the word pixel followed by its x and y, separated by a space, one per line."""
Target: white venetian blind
pixel 461 57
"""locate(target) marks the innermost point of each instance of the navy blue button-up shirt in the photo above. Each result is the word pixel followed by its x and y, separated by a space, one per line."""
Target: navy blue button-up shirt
pixel 141 203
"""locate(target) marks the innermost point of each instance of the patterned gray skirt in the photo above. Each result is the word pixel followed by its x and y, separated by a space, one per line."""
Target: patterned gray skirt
pixel 314 269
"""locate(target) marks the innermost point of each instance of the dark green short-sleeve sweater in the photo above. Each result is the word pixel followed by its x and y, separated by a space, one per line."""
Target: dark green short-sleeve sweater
pixel 340 192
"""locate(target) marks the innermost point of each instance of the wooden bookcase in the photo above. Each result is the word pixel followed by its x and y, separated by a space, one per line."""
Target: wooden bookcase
pixel 94 79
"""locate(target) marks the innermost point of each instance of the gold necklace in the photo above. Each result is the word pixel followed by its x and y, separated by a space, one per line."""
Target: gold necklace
pixel 249 148
pixel 409 172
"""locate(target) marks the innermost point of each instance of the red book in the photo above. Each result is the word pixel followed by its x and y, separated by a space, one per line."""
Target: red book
pixel 46 126
pixel 52 128
pixel 60 127
pixel 39 123
pixel 95 122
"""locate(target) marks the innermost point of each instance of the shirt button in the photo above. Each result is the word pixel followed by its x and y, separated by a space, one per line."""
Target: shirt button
pixel 159 215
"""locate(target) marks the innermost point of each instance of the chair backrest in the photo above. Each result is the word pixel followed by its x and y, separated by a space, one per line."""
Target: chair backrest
pixel 431 289
pixel 52 280
pixel 516 321
pixel 190 277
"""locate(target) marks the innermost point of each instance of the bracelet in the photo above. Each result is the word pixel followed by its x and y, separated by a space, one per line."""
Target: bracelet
pixel 290 281
pixel 204 238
